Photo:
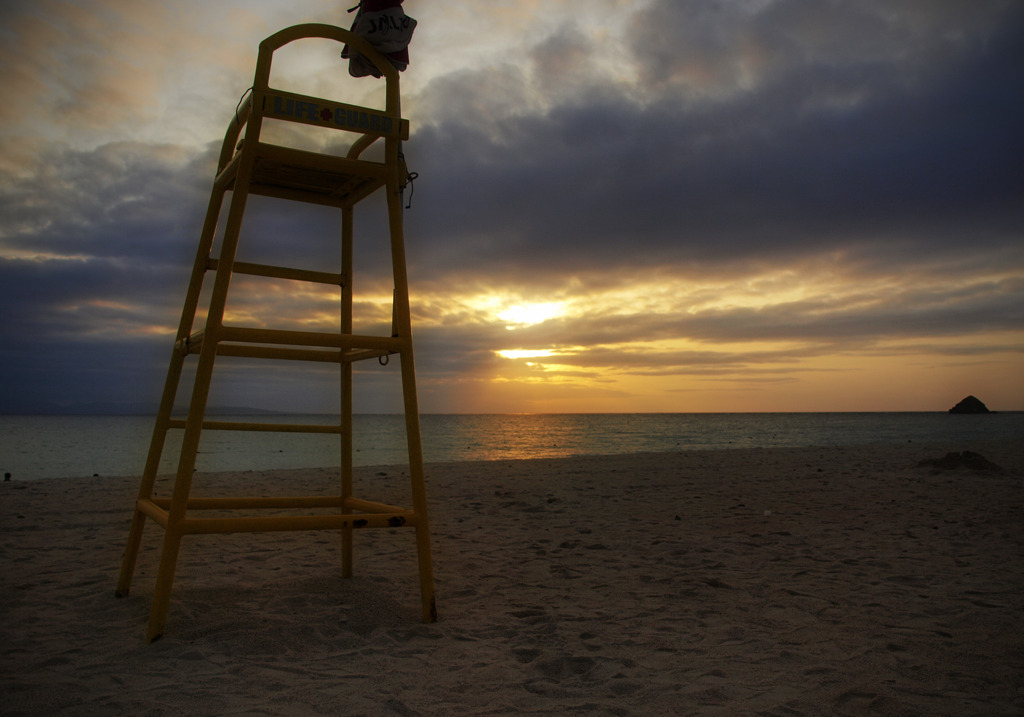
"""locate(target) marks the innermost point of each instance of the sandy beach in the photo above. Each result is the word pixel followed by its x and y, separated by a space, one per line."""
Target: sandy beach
pixel 816 581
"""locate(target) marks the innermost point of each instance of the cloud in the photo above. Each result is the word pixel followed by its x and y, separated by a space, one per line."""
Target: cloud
pixel 766 190
pixel 879 148
pixel 714 51
pixel 124 199
pixel 107 70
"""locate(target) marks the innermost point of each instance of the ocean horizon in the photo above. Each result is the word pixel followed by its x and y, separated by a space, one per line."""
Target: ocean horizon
pixel 54 446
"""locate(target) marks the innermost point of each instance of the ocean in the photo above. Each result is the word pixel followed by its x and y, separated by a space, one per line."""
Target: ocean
pixel 39 447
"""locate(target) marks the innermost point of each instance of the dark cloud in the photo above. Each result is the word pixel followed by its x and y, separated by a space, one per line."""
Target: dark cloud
pixel 835 143
pixel 116 201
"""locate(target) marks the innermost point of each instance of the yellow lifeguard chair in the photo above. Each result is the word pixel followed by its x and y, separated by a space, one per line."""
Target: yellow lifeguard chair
pixel 252 166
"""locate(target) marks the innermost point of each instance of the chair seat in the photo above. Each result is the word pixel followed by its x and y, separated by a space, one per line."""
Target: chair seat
pixel 288 173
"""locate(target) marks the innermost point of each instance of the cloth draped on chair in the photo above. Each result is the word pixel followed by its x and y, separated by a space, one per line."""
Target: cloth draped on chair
pixel 386 26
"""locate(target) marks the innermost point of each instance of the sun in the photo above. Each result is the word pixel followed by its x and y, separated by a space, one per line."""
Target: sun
pixel 525 353
pixel 530 314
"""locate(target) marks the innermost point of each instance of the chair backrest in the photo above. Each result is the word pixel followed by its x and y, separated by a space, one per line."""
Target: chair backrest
pixel 267 102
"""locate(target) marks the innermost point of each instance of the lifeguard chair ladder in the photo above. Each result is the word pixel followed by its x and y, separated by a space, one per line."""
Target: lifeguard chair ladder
pixel 251 166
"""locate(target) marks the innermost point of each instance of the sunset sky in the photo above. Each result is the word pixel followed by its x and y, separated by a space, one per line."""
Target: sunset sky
pixel 622 205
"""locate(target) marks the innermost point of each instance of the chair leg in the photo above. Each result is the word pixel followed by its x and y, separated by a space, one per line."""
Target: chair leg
pixel 427 599
pixel 131 554
pixel 347 222
pixel 164 583
pixel 171 383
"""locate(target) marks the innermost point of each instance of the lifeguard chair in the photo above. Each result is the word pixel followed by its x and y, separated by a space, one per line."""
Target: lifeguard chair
pixel 248 165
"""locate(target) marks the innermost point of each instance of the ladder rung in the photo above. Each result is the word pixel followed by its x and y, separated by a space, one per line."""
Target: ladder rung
pixel 255 426
pixel 357 346
pixel 255 503
pixel 289 354
pixel 283 502
pixel 158 508
pixel 157 512
pixel 364 354
pixel 280 353
pixel 281 272
pixel 367 506
pixel 227 175
pixel 239 334
pixel 190 344
pixel 297 522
